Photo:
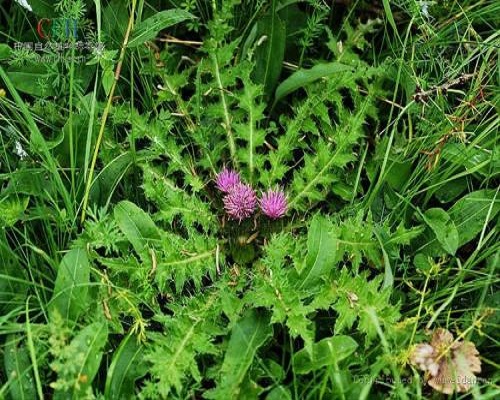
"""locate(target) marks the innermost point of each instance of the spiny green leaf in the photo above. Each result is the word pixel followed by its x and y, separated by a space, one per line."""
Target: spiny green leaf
pixel 12 210
pixel 189 333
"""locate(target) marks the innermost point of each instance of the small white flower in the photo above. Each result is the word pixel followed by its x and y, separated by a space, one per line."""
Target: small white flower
pixel 424 8
pixel 24 4
pixel 20 152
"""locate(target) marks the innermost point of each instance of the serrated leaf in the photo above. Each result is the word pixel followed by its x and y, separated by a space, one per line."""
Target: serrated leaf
pixel 149 28
pixel 443 227
pixel 247 336
pixel 70 296
pixel 126 367
pixel 321 253
pixel 404 236
pixel 356 295
pixel 303 77
pixel 187 336
pixel 136 225
pixel 12 210
pixel 327 351
pixel 18 369
pixel 88 345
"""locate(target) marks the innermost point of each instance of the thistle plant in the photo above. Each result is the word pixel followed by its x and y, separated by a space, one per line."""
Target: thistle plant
pixel 274 204
pixel 259 199
pixel 227 179
pixel 240 202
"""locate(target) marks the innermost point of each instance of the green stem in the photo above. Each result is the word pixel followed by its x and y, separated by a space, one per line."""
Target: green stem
pixel 70 120
pixel 420 308
pixel 106 110
pixel 31 347
pixel 227 118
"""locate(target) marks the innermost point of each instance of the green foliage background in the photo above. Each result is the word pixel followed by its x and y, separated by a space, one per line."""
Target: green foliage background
pixel 121 277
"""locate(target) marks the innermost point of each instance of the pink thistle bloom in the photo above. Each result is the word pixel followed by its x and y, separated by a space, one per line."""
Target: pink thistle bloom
pixel 273 203
pixel 240 202
pixel 226 179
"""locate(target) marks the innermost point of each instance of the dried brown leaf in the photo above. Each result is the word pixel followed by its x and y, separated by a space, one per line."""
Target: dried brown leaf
pixel 448 365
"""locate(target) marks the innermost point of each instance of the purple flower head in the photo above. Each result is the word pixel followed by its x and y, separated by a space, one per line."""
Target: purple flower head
pixel 240 202
pixel 226 179
pixel 274 204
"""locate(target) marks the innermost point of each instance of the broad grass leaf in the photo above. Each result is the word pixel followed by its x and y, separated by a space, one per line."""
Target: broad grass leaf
pixel 70 296
pixel 73 135
pixel 30 182
pixel 108 77
pixel 398 174
pixel 18 369
pixel 42 7
pixel 109 177
pixel 27 80
pixel 115 17
pixel 443 227
pixel 389 16
pixel 247 336
pixel 279 393
pixel 327 351
pixel 88 344
pixel 321 253
pixel 149 28
pixel 472 211
pixel 303 77
pixel 126 367
pixel 12 288
pixel 5 51
pixel 269 54
pixel 136 225
pixel 469 157
pixel 451 190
